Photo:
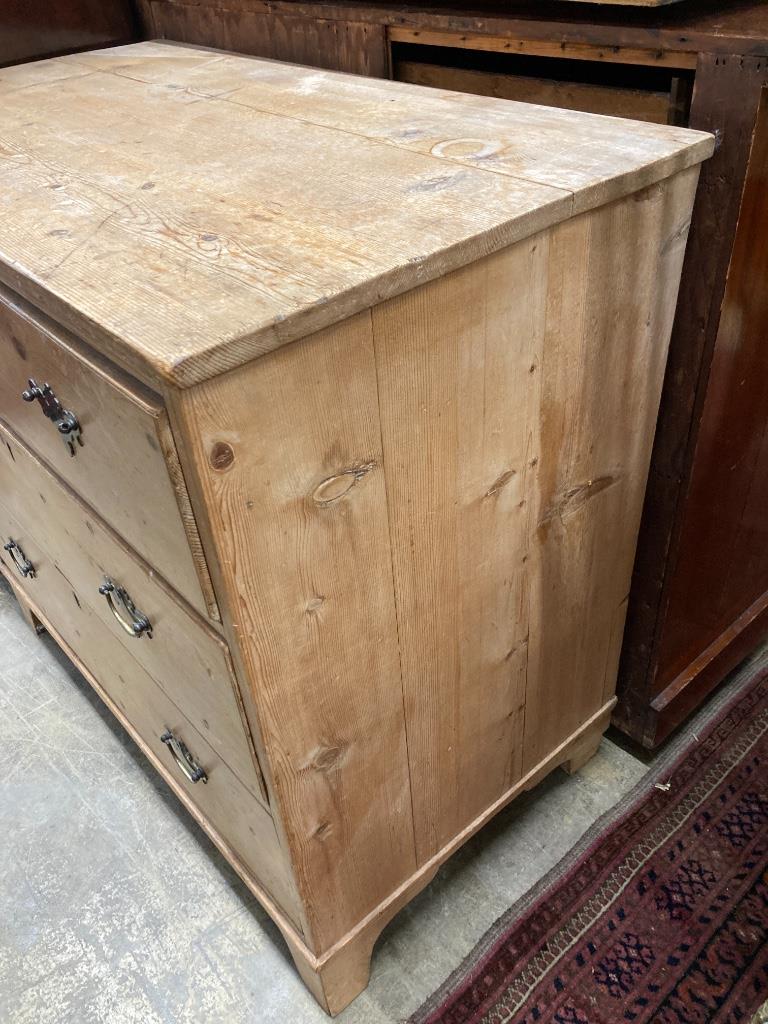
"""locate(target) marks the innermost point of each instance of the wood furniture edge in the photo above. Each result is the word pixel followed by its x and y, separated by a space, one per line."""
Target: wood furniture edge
pixel 341 972
pixel 187 513
pixel 250 708
pixel 231 353
pixel 670 693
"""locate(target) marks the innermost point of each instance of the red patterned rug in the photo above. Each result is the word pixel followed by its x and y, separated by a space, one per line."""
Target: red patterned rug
pixel 660 915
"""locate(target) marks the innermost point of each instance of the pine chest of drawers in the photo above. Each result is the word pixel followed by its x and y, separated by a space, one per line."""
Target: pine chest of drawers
pixel 326 408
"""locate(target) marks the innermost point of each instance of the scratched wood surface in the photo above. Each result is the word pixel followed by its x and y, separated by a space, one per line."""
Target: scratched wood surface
pixel 290 215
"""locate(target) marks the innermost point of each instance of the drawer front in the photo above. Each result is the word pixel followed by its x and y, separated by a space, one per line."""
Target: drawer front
pixel 120 469
pixel 240 820
pixel 187 660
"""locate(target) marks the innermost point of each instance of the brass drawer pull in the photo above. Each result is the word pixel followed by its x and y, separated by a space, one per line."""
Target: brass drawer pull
pixel 65 421
pixel 119 602
pixel 23 565
pixel 183 758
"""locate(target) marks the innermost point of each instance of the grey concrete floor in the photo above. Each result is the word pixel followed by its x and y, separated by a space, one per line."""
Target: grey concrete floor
pixel 116 909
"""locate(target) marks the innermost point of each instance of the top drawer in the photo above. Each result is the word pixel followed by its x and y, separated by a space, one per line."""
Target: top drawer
pixel 126 467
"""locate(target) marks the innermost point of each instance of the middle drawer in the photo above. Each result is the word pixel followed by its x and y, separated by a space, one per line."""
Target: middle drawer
pixel 186 659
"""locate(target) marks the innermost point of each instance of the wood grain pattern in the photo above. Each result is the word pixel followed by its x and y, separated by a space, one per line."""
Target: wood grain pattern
pixel 184 657
pixel 176 474
pixel 518 398
pixel 740 27
pixel 342 972
pixel 602 160
pixel 210 261
pixel 457 365
pixel 122 425
pixel 288 455
pixel 596 431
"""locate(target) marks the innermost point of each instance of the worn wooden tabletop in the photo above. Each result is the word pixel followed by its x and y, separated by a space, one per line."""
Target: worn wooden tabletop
pixel 187 210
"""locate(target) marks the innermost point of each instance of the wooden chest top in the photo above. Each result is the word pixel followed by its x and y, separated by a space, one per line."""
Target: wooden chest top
pixel 186 210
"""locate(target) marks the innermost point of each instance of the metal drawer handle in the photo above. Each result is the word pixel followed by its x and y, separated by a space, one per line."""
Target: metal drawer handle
pixel 65 421
pixel 183 758
pixel 23 565
pixel 119 602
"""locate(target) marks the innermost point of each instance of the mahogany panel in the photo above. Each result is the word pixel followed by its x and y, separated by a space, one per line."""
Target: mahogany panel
pixel 726 96
pixel 723 550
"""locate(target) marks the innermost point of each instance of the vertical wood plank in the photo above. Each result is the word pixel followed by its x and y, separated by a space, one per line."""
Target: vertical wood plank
pixel 458 364
pixel 518 398
pixel 289 466
pixel 613 277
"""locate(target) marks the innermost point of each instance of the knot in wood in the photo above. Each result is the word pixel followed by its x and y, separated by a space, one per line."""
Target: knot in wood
pixel 334 487
pixel 325 759
pixel 222 456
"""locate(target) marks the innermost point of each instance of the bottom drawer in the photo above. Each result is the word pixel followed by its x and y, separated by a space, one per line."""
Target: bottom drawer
pixel 221 799
pixel 187 660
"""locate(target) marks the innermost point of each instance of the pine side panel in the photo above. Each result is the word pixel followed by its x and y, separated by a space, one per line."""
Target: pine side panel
pixel 613 279
pixel 518 399
pixel 458 364
pixel 287 457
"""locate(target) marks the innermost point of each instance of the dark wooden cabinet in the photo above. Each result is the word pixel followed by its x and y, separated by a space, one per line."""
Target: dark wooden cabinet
pixel 30 29
pixel 699 597
pixel 714 596
pixel 317 37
